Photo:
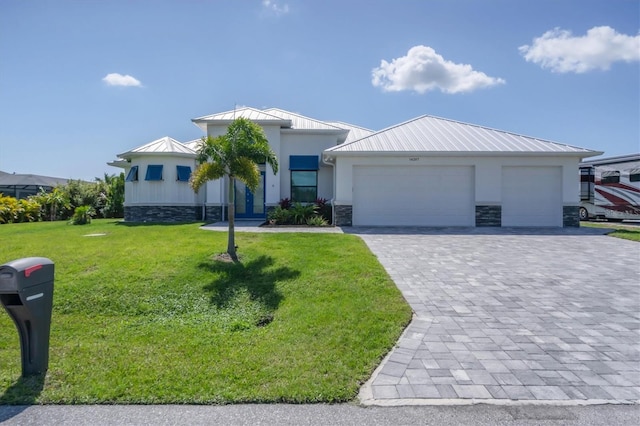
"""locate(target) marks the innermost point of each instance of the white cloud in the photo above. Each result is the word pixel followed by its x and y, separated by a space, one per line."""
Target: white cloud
pixel 423 70
pixel 115 79
pixel 561 52
pixel 275 8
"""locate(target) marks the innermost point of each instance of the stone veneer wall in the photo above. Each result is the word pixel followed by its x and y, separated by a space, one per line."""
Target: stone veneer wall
pixel 571 216
pixel 344 215
pixel 213 214
pixel 488 216
pixel 162 213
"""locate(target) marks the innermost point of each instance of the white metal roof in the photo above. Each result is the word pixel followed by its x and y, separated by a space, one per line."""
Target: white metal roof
pixel 300 121
pixel 355 132
pixel 612 160
pixel 244 112
pixel 438 135
pixel 163 145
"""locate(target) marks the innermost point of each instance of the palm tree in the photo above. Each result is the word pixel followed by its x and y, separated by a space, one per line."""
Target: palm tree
pixel 235 154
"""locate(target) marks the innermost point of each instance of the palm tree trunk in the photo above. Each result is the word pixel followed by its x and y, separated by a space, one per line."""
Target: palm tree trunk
pixel 231 242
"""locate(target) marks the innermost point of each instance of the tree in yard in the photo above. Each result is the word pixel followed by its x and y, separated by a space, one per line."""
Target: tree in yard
pixel 236 155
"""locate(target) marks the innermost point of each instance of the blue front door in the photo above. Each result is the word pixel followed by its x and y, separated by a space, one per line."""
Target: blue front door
pixel 250 205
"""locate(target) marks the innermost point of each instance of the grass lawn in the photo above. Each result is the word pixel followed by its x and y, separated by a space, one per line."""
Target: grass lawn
pixel 145 314
pixel 620 230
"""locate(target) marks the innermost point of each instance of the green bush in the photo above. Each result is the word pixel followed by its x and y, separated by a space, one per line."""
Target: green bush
pixel 15 211
pixel 317 221
pixel 302 212
pixel 81 215
pixel 280 215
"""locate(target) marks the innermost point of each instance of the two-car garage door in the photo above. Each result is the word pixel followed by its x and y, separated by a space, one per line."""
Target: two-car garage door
pixel 445 196
pixel 413 196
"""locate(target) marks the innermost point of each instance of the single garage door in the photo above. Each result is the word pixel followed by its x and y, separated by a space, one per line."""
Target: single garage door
pixel 531 196
pixel 413 196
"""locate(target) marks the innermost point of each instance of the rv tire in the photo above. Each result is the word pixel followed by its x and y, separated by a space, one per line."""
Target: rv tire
pixel 584 214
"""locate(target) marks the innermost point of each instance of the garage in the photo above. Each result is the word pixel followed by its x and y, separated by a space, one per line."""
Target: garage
pixel 532 196
pixel 413 196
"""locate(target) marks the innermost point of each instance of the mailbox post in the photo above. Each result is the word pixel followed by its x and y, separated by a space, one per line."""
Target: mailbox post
pixel 26 292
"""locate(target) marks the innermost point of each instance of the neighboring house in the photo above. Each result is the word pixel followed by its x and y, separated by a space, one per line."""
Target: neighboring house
pixel 23 185
pixel 427 171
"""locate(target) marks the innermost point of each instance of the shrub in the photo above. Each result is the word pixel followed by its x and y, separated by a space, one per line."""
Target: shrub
pixel 285 203
pixel 280 215
pixel 317 221
pixel 81 215
pixel 302 212
pixel 324 209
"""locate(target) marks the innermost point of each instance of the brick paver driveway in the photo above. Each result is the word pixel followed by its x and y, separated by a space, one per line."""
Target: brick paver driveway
pixel 527 315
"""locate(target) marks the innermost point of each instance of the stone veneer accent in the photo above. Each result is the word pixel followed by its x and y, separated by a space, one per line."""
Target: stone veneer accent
pixel 488 216
pixel 162 213
pixel 213 214
pixel 344 215
pixel 571 216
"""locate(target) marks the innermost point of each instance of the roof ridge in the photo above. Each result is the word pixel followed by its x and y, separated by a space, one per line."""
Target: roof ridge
pixel 302 116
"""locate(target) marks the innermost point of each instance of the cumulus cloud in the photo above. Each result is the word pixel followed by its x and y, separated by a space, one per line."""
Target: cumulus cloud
pixel 562 52
pixel 115 79
pixel 422 70
pixel 275 8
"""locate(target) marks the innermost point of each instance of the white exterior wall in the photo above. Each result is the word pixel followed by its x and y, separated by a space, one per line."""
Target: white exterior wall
pixel 488 173
pixel 166 192
pixel 306 144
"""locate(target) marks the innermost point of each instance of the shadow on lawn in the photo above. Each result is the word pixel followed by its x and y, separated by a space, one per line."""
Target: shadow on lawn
pixel 254 276
pixel 24 391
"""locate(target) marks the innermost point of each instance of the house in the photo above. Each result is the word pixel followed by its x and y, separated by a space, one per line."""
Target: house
pixel 427 171
pixel 24 185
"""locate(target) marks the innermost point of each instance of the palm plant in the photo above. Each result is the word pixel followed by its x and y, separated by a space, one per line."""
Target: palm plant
pixel 236 155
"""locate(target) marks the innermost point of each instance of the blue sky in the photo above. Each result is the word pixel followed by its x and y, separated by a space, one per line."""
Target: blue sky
pixel 82 81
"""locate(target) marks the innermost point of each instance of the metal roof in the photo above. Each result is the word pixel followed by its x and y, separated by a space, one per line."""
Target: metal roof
pixel 301 122
pixel 244 112
pixel 612 160
pixel 355 132
pixel 439 135
pixel 16 179
pixel 165 145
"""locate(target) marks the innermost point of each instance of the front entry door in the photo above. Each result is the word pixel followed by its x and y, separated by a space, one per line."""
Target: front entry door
pixel 250 205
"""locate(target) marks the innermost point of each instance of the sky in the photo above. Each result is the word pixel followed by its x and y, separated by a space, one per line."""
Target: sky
pixel 83 81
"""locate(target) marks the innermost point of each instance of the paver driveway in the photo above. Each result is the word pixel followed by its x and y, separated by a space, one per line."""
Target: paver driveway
pixel 528 315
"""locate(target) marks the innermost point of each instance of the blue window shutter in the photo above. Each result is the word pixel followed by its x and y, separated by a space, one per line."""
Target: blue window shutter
pixel 132 176
pixel 154 172
pixel 184 173
pixel 303 162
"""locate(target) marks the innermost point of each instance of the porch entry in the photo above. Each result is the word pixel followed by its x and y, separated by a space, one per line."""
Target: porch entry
pixel 250 205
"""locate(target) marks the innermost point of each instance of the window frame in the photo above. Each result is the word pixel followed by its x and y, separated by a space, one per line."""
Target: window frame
pixel 315 187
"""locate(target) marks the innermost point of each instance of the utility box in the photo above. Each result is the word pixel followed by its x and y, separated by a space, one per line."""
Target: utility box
pixel 26 292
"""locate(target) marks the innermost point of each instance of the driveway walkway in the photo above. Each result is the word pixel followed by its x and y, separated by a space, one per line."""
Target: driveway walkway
pixel 542 316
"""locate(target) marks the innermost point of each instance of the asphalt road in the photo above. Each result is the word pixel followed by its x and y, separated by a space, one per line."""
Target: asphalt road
pixel 320 414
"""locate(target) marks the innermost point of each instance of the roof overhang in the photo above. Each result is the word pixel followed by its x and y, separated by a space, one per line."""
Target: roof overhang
pixel 203 123
pixel 330 154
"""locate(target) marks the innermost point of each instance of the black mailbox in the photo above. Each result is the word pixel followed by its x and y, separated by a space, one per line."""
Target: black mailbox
pixel 26 292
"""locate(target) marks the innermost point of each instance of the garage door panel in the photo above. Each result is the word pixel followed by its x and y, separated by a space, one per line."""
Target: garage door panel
pixel 532 196
pixel 413 196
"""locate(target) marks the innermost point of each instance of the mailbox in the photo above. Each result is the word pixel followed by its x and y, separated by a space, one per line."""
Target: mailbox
pixel 26 292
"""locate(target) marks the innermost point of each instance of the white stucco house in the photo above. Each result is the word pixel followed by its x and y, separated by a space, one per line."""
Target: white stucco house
pixel 427 171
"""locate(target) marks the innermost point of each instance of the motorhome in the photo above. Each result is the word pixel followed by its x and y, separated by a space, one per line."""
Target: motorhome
pixel 610 188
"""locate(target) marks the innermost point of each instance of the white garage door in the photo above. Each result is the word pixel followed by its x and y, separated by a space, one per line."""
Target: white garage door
pixel 413 196
pixel 531 196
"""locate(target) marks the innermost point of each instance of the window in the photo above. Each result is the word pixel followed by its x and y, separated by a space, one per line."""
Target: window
pixel 184 173
pixel 132 176
pixel 304 186
pixel 154 172
pixel 304 178
pixel 634 175
pixel 610 177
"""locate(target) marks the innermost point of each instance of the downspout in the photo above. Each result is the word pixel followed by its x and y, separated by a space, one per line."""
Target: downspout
pixel 333 207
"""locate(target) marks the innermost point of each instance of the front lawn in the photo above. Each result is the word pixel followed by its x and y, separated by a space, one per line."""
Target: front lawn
pixel 145 314
pixel 626 232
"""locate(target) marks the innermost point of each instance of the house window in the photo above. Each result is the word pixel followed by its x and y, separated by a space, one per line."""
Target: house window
pixel 304 178
pixel 132 176
pixel 304 186
pixel 184 173
pixel 610 177
pixel 154 172
pixel 634 175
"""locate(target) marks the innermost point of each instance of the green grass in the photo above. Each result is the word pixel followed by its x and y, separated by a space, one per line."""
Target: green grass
pixel 145 314
pixel 619 231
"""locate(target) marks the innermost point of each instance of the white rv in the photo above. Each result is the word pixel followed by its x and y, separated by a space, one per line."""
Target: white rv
pixel 610 188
